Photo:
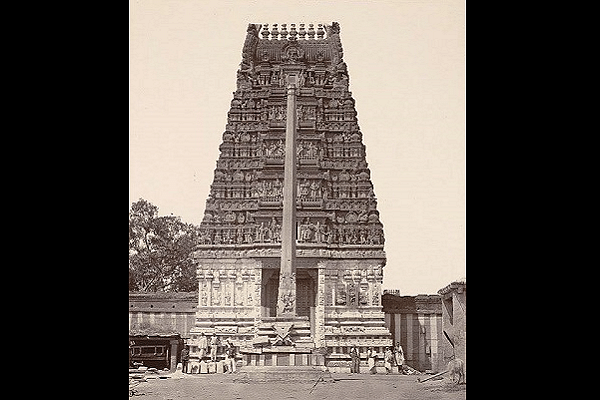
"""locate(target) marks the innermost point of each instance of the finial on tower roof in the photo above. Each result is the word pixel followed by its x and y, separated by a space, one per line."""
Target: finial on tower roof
pixel 252 29
pixel 320 31
pixel 265 32
pixel 274 32
pixel 293 32
pixel 302 33
pixel 335 27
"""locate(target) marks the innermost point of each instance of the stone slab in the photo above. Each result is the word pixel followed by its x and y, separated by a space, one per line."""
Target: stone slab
pixel 286 349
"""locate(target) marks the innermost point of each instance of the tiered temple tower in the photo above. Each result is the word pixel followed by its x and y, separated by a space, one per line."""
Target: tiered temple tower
pixel 291 258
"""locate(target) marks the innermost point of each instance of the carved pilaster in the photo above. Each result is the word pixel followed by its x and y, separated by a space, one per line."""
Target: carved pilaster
pixel 209 280
pixel 256 279
pixel 319 337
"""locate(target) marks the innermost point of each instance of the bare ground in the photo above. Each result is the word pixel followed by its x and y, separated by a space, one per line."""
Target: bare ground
pixel 337 386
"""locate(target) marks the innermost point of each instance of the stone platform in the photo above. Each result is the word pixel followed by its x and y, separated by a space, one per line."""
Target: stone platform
pixel 282 342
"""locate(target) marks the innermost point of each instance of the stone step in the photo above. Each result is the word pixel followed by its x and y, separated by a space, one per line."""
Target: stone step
pixel 283 374
pixel 283 359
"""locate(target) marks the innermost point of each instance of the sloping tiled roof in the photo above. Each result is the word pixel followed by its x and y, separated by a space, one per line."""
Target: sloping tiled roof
pixel 421 303
pixel 164 295
pixel 152 330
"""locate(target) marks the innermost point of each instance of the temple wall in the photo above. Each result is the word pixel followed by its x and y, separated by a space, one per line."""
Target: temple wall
pixel 162 312
pixel 228 289
pixel 352 306
pixel 177 311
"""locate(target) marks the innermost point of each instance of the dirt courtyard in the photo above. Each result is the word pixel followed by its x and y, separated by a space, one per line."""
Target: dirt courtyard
pixel 338 386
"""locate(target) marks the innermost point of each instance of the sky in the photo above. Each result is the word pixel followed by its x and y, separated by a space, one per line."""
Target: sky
pixel 406 62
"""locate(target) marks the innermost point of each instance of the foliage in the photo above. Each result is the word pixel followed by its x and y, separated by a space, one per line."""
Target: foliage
pixel 160 251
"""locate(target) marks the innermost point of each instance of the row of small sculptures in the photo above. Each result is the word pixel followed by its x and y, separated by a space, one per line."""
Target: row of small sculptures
pixel 355 164
pixel 347 296
pixel 279 113
pixel 249 138
pixel 304 150
pixel 253 176
pixel 308 232
pixel 304 111
pixel 334 76
pixel 314 192
pixel 359 214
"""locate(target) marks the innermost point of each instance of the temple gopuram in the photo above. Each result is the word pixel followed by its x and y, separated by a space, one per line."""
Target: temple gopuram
pixel 291 255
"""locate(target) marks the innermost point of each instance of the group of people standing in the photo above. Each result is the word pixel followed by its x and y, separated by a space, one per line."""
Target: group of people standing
pixel 211 344
pixel 391 358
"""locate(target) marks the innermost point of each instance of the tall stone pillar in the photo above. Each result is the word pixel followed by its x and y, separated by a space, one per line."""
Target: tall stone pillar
pixel 286 300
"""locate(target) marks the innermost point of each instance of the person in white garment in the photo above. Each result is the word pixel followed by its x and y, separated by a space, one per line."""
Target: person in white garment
pixel 371 357
pixel 400 359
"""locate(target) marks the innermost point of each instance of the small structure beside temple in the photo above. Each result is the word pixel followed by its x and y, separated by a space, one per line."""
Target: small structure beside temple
pixel 159 323
pixel 454 321
pixel 415 322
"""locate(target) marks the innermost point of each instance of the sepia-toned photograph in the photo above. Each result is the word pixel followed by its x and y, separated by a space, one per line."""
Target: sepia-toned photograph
pixel 297 199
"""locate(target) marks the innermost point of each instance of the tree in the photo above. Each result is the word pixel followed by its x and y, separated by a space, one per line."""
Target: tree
pixel 160 251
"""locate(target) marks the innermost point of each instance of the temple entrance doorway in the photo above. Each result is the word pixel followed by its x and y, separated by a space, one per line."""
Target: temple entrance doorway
pixel 306 292
pixel 270 288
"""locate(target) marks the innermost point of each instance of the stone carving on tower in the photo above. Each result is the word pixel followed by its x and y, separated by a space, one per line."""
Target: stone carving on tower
pixel 292 83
